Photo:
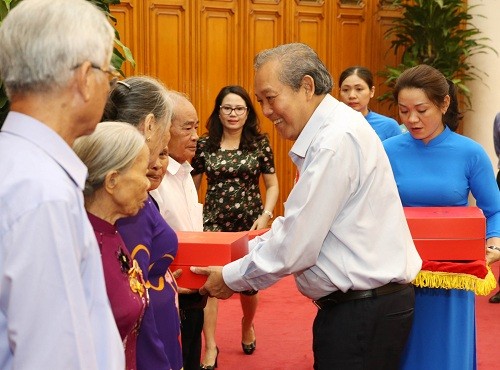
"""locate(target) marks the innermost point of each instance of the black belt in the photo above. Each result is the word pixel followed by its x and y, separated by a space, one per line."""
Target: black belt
pixel 340 297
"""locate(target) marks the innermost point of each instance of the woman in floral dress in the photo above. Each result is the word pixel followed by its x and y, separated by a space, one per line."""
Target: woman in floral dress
pixel 233 155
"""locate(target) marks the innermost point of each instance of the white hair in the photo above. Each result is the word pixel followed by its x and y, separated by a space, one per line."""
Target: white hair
pixel 43 41
pixel 113 146
pixel 176 97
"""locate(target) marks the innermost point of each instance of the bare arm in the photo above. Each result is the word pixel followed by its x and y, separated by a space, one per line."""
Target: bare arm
pixel 272 192
pixel 492 255
pixel 197 180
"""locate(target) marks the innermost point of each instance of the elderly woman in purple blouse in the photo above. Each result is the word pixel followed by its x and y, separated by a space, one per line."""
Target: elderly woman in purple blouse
pixel 117 159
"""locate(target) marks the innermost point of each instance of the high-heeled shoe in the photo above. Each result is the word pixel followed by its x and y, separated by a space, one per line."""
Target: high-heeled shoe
pixel 248 349
pixel 495 298
pixel 211 367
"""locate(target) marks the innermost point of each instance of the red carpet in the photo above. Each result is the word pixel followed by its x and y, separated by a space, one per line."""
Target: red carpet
pixel 488 330
pixel 284 339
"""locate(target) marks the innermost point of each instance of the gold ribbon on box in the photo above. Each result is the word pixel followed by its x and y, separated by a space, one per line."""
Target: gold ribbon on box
pixel 475 276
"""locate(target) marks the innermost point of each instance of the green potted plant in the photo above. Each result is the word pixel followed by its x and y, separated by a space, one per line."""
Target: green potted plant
pixel 121 53
pixel 438 33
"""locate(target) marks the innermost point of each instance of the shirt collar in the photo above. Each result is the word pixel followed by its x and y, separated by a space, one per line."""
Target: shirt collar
pixel 435 141
pixel 175 167
pixel 49 141
pixel 313 125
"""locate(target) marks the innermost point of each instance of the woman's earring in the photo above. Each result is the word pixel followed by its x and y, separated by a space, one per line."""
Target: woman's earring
pixel 148 139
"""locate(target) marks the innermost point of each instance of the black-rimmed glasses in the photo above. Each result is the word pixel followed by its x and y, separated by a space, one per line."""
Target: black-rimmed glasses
pixel 227 110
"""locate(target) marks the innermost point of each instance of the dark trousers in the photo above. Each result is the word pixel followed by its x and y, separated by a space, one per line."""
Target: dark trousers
pixel 363 334
pixel 191 314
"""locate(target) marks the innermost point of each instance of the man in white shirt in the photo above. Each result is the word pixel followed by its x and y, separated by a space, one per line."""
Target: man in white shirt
pixel 176 196
pixel 177 201
pixel 344 234
pixel 54 311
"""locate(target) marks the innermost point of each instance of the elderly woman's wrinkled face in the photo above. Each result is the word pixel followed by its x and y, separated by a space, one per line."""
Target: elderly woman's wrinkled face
pixel 158 140
pixel 131 188
pixel 156 172
pixel 157 169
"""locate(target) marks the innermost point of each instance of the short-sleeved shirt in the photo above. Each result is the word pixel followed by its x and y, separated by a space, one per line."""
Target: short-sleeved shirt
pixel 233 201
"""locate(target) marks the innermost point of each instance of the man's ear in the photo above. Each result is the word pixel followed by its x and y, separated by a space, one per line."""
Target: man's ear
pixel 308 85
pixel 82 80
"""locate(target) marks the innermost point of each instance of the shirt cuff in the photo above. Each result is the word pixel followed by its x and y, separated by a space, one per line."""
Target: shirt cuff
pixel 232 277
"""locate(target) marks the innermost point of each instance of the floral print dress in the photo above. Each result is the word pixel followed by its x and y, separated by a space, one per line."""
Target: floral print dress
pixel 233 201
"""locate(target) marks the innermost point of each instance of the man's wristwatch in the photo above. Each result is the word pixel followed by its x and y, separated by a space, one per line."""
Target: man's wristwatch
pixel 493 247
pixel 269 213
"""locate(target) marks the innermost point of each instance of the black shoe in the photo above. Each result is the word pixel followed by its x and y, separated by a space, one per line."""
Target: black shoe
pixel 249 348
pixel 210 367
pixel 495 298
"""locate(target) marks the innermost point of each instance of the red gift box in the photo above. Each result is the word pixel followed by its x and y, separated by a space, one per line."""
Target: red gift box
pixel 254 233
pixel 447 233
pixel 206 249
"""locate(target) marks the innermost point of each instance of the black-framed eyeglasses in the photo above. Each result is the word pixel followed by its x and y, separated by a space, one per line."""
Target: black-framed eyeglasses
pixel 227 110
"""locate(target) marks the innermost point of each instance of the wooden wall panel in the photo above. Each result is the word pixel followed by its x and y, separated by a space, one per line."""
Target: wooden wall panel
pixel 198 46
pixel 309 26
pixel 127 17
pixel 382 16
pixel 218 51
pixel 266 30
pixel 351 39
pixel 166 30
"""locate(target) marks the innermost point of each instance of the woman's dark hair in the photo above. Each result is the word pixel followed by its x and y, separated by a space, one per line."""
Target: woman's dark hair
pixel 132 99
pixel 362 72
pixel 435 86
pixel 251 131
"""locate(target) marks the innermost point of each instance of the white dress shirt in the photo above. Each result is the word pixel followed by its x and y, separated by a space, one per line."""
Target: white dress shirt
pixel 54 311
pixel 177 198
pixel 343 226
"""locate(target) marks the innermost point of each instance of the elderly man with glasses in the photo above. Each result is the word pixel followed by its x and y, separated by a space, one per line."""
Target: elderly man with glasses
pixel 54 61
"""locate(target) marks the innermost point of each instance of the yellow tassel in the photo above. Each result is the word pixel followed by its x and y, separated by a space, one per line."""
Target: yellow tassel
pixel 452 280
